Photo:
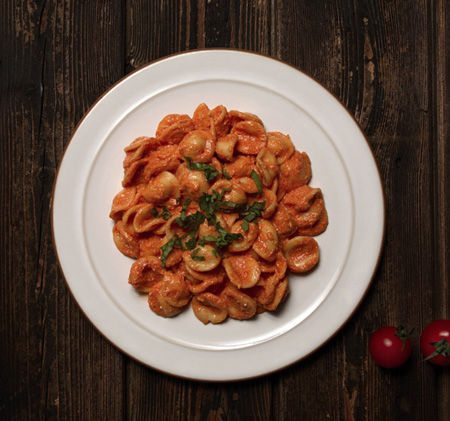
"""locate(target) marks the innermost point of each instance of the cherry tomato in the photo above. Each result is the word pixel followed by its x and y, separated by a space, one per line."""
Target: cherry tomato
pixel 390 346
pixel 435 342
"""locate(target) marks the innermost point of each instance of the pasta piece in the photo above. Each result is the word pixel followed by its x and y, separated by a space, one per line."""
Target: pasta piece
pixel 270 200
pixel 266 245
pixel 294 172
pixel 175 290
pixel 175 257
pixel 211 230
pixel 140 218
pixel 209 308
pixel 280 145
pixel 251 137
pixel 227 219
pixel 274 187
pixel 174 127
pixel 198 145
pixel 269 280
pixel 138 149
pixel 242 270
pixel 233 193
pixel 239 305
pixel 159 304
pixel 201 117
pixel 171 228
pixel 165 158
pixel 193 183
pixel 225 147
pixel 318 228
pixel 203 260
pixel 220 120
pixel 281 292
pixel 278 268
pixel 302 254
pixel 283 222
pixel 199 282
pixel 161 188
pixel 238 116
pixel 267 166
pixel 150 246
pixel 242 166
pixel 248 237
pixel 216 164
pixel 135 173
pixel 122 201
pixel 247 184
pixel 125 242
pixel 168 297
pixel 145 272
pixel 305 204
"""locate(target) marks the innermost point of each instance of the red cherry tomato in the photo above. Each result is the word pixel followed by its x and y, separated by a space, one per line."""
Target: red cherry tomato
pixel 435 342
pixel 390 346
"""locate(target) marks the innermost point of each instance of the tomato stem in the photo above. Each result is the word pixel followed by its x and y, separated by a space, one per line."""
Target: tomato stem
pixel 403 334
pixel 441 347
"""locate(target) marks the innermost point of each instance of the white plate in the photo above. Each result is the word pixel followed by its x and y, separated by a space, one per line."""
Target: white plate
pixel 286 100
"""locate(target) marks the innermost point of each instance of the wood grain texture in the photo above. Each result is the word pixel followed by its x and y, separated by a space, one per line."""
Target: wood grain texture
pixel 54 364
pixel 386 61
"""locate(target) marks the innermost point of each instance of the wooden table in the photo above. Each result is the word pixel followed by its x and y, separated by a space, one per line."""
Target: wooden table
pixel 388 63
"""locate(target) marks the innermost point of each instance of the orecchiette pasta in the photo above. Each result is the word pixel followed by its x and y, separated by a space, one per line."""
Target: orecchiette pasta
pixel 209 308
pixel 215 210
pixel 243 271
pixel 302 253
pixel 198 145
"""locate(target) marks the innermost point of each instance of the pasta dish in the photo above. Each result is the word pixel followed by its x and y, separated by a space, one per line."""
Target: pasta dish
pixel 215 211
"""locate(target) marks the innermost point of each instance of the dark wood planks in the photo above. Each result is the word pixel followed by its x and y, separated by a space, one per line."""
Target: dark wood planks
pixel 386 61
pixel 441 295
pixel 54 363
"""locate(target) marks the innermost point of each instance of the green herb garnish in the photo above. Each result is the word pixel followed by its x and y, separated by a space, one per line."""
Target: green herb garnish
pixel 254 175
pixel 154 212
pixel 225 174
pixel 195 256
pixel 250 212
pixel 186 204
pixel 210 172
pixel 167 248
pixel 191 243
pixel 165 214
pixel 245 225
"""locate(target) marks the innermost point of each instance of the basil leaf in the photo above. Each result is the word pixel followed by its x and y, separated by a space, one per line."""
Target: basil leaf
pixel 210 172
pixel 194 255
pixel 226 175
pixel 167 248
pixel 165 214
pixel 254 175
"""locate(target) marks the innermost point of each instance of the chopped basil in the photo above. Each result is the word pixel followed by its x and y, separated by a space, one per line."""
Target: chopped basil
pixel 225 174
pixel 254 175
pixel 167 248
pixel 165 214
pixel 195 256
pixel 210 172
pixel 253 211
pixel 245 225
pixel 191 243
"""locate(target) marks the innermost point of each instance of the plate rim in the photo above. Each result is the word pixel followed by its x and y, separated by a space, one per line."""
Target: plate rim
pixel 369 148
